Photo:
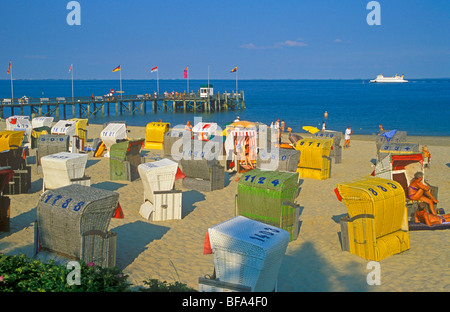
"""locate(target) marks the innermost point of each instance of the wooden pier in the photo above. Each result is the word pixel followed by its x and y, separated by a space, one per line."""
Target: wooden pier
pixel 86 107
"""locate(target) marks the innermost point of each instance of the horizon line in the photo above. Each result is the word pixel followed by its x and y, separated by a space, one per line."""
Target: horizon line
pixel 183 79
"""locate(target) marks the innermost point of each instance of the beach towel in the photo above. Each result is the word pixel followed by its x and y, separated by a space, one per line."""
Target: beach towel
pixel 417 226
pixel 388 135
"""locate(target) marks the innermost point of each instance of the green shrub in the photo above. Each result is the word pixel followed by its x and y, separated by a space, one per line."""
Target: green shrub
pixel 21 274
pixel 155 285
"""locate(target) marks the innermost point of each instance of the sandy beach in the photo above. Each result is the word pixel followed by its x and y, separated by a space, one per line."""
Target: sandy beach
pixel 173 250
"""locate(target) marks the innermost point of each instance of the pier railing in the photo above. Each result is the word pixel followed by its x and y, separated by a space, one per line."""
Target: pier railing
pixel 131 104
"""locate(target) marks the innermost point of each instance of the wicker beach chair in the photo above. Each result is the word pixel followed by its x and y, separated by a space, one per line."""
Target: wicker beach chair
pixel 161 201
pixel 315 161
pixel 201 167
pixel 63 169
pixel 72 221
pixel 397 148
pixel 376 225
pixel 269 197
pixel 336 147
pixel 48 144
pixel 124 159
pixel 282 159
pixel 248 253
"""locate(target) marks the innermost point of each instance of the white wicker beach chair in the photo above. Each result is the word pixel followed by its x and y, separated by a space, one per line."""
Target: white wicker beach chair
pixel 248 252
pixel 63 169
pixel 161 201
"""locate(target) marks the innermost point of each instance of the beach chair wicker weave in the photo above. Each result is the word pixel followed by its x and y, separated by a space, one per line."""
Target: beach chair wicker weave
pixel 154 135
pixel 268 197
pixel 282 159
pixel 247 252
pixel 201 167
pixel 161 201
pixel 124 159
pixel 397 148
pixel 73 221
pixel 64 168
pixel 48 144
pixel 376 226
pixel 336 148
pixel 10 139
pixel 314 158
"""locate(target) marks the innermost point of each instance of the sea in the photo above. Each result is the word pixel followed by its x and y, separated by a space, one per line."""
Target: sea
pixel 419 107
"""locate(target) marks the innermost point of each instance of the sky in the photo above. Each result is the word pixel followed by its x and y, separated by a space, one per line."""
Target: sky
pixel 284 39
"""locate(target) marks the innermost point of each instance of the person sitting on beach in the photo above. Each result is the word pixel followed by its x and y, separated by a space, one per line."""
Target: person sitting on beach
pixel 188 126
pixel 419 191
pixel 421 215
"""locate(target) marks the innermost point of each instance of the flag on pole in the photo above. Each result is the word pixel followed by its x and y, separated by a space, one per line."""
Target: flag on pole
pixel 154 69
pixel 116 69
pixel 70 69
pixel 186 72
pixel 9 68
pixel 234 69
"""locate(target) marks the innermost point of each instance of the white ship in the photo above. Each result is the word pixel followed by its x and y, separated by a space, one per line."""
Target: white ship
pixel 396 78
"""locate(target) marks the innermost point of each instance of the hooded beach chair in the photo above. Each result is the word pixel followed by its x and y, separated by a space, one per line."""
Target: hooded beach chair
pixel 72 224
pixel 376 225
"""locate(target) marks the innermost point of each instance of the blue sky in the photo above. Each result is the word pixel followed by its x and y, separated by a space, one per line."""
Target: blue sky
pixel 286 39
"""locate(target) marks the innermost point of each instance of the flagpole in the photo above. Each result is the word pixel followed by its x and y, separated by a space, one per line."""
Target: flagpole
pixel 120 72
pixel 236 83
pixel 157 80
pixel 72 82
pixel 12 88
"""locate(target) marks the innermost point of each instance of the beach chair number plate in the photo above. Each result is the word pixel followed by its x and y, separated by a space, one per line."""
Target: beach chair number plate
pixel 381 188
pixel 64 202
pixel 261 180
pixel 265 234
pixel 310 143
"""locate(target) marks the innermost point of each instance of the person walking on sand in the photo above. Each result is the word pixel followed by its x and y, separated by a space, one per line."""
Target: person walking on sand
pixel 347 134
pixel 323 126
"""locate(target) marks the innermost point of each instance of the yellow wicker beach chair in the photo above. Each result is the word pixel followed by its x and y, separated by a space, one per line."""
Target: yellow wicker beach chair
pixel 314 160
pixel 376 225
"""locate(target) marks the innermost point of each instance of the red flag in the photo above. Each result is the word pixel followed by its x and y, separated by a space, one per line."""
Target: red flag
pixel 70 69
pixel 186 72
pixel 207 245
pixel 154 69
pixel 179 175
pixel 118 213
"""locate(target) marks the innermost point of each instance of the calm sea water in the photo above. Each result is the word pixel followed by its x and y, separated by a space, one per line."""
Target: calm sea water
pixel 420 107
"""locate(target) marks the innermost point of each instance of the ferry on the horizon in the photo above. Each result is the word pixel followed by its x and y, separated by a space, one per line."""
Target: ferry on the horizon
pixel 396 78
